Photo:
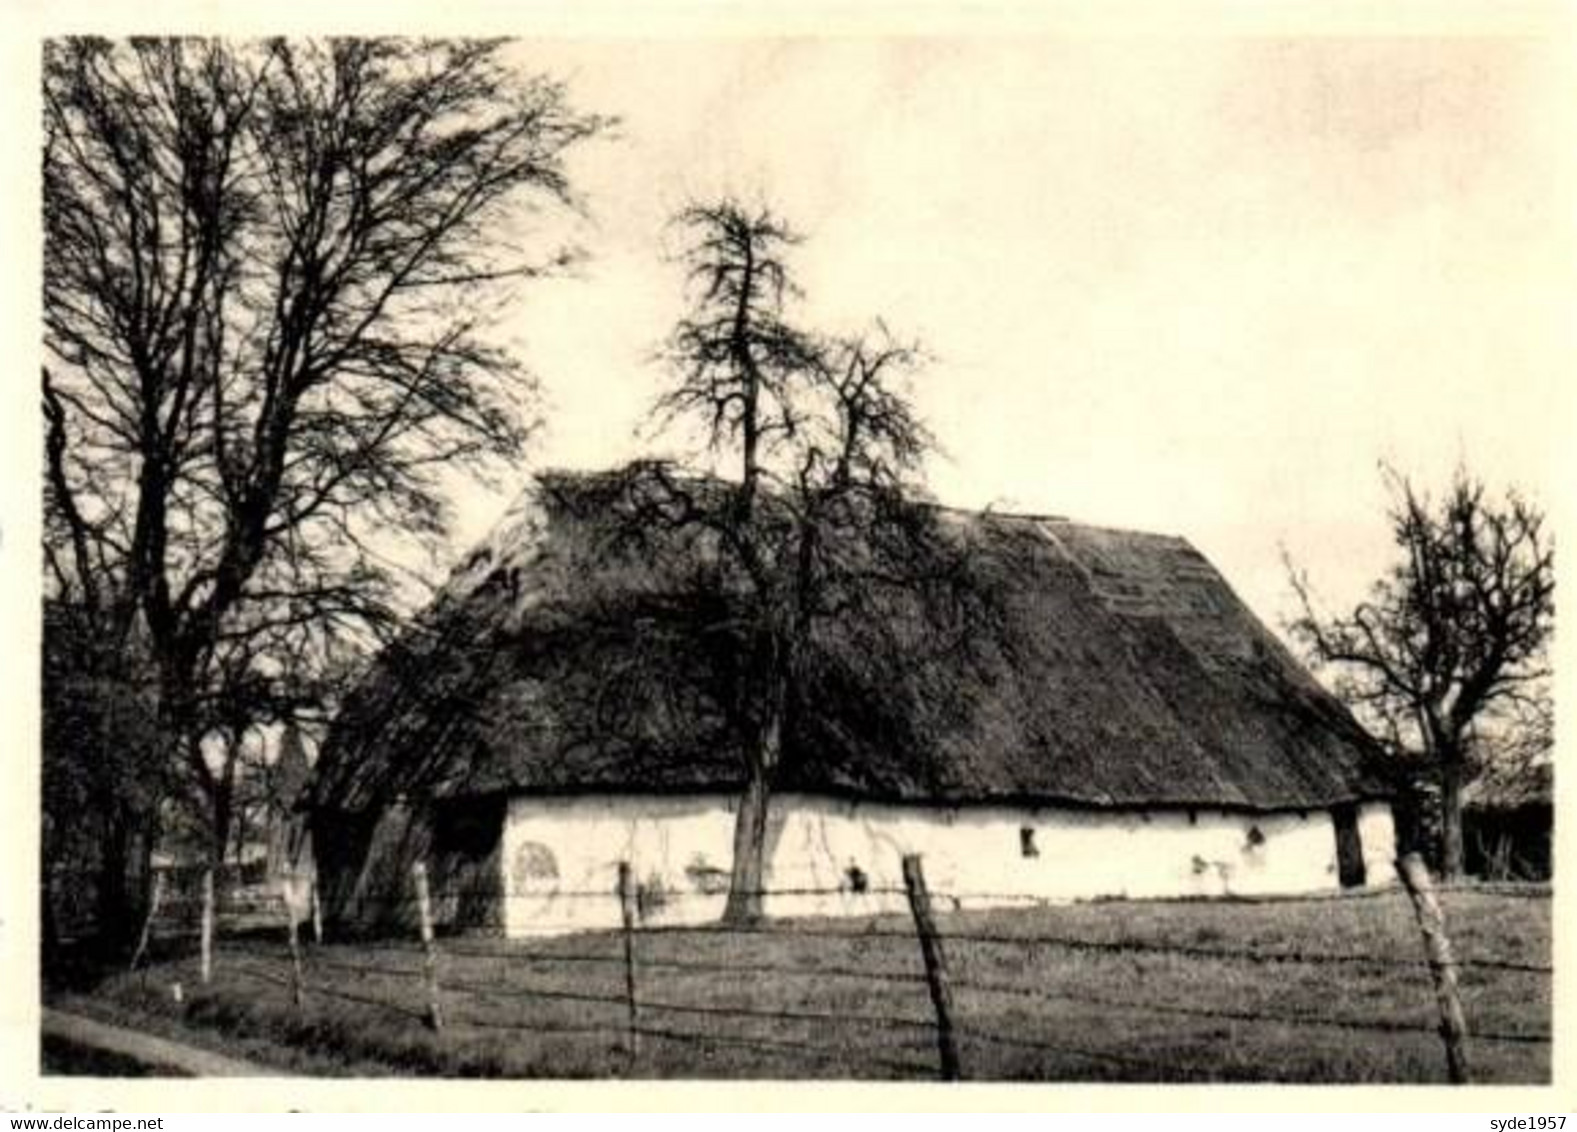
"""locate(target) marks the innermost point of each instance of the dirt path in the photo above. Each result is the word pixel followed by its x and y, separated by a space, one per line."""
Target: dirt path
pixel 159 1056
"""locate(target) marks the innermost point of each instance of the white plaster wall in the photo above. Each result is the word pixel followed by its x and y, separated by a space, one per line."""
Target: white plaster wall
pixel 1377 832
pixel 561 855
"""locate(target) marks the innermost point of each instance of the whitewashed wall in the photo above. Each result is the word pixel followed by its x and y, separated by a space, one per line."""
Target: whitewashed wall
pixel 1377 832
pixel 560 855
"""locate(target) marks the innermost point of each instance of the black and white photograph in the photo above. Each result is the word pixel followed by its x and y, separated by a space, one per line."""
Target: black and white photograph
pixel 988 552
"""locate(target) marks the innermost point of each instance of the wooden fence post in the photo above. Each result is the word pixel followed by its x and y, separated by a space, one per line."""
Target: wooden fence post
pixel 208 926
pixel 147 923
pixel 1442 964
pixel 287 891
pixel 317 912
pixel 424 908
pixel 935 964
pixel 627 915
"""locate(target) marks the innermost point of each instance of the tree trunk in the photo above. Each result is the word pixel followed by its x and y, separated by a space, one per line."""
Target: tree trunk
pixel 1451 855
pixel 750 834
pixel 123 881
pixel 750 824
pixel 112 903
pixel 223 812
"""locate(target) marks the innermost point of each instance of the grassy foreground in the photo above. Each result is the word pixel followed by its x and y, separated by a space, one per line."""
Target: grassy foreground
pixel 1316 991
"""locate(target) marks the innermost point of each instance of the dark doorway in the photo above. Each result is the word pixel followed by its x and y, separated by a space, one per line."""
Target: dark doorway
pixel 467 870
pixel 1349 846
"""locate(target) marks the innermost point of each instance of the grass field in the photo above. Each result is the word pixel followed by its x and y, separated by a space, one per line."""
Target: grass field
pixel 1299 991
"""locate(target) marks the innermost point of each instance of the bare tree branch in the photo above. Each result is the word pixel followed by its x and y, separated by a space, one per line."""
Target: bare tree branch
pixel 268 272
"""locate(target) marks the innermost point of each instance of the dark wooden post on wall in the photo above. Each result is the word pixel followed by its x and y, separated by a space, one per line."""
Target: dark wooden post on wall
pixel 424 910
pixel 627 916
pixel 1350 870
pixel 1442 964
pixel 935 965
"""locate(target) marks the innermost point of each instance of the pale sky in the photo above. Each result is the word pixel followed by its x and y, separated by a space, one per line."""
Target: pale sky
pixel 1199 286
pixel 1185 283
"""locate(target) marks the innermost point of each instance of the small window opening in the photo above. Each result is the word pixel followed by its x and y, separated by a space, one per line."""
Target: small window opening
pixel 1255 837
pixel 858 881
pixel 1026 842
pixel 1193 817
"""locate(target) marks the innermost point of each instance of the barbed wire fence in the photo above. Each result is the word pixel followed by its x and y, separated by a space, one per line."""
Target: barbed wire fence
pixel 620 984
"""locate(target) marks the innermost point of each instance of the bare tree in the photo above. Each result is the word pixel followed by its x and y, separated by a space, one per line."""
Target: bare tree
pixel 1452 638
pixel 825 527
pixel 269 272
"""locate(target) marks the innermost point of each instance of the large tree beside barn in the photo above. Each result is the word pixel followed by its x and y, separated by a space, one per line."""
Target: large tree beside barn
pixel 269 272
pixel 1446 659
pixel 821 515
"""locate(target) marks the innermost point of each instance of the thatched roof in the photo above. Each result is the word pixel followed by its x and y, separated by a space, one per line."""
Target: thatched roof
pixel 1123 672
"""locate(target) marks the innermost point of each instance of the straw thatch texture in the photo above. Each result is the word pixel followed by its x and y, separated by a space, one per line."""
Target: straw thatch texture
pixel 1121 671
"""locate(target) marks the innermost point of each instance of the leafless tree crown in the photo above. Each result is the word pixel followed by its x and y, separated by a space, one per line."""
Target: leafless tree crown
pixel 1454 636
pixel 271 268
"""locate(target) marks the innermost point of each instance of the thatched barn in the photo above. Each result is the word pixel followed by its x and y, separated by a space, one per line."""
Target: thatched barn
pixel 1128 728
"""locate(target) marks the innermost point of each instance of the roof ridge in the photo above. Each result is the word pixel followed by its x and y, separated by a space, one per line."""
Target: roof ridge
pixel 592 475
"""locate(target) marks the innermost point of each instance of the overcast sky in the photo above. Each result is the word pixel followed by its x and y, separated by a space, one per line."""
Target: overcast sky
pixel 1195 286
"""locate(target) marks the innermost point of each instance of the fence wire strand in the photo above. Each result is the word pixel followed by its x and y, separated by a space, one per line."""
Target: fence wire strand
pixel 259 956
